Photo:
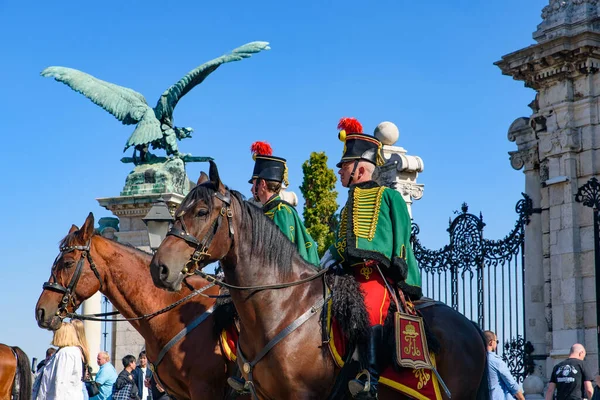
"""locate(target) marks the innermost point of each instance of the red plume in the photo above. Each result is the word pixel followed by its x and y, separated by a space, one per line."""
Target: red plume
pixel 261 149
pixel 350 125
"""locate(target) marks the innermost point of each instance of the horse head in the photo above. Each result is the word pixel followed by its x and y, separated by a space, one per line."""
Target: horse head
pixel 202 233
pixel 71 279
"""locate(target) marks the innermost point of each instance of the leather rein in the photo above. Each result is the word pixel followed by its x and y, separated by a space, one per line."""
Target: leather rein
pixel 201 248
pixel 201 253
pixel 68 292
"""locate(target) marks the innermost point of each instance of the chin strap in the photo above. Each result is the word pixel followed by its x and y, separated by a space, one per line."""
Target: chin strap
pixel 256 190
pixel 353 172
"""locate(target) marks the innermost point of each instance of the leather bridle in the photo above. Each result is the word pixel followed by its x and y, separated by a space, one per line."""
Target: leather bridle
pixel 201 246
pixel 68 292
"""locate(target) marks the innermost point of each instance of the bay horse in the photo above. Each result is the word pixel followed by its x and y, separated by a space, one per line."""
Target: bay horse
pixel 15 374
pixel 193 368
pixel 214 223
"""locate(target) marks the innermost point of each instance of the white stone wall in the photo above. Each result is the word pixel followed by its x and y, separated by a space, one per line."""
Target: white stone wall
pixel 558 147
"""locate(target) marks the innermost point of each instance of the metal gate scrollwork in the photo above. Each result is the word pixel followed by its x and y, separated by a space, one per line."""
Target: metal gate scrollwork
pixel 482 278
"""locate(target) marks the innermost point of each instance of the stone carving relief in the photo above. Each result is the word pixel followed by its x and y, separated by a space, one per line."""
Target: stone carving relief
pixel 557 6
pixel 414 190
pixel 563 18
pixel 527 158
pixel 560 141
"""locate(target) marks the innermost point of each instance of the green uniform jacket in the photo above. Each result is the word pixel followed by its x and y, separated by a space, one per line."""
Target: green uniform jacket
pixel 284 215
pixel 375 225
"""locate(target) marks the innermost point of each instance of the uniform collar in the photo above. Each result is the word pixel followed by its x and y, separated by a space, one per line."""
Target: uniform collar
pixel 273 198
pixel 365 185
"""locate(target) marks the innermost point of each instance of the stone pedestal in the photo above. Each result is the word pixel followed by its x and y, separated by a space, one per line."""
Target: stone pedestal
pixel 143 187
pixel 130 210
pixel 559 146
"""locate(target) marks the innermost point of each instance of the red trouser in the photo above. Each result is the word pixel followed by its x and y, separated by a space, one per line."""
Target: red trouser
pixel 377 298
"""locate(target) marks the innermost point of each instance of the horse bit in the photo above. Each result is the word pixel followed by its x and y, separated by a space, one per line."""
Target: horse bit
pixel 201 247
pixel 68 292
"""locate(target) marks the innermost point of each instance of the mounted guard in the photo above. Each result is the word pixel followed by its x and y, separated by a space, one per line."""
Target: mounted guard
pixel 372 242
pixel 269 175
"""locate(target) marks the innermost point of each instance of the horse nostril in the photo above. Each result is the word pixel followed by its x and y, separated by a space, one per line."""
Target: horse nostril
pixel 163 272
pixel 40 314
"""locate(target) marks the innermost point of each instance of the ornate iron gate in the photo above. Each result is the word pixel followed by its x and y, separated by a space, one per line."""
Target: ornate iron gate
pixel 481 278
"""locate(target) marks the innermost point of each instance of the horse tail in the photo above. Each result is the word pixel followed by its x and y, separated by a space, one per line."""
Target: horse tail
pixel 483 391
pixel 23 373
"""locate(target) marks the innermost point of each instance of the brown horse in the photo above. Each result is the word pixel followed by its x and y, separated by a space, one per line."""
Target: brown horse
pixel 252 251
pixel 15 374
pixel 194 367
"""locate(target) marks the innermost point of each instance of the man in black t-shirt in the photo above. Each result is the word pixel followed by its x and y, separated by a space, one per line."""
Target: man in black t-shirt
pixel 570 378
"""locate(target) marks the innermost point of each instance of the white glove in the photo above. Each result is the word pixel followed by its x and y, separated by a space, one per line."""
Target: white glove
pixel 327 260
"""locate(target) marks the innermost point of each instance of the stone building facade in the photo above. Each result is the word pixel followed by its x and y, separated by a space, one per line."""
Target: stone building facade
pixel 558 148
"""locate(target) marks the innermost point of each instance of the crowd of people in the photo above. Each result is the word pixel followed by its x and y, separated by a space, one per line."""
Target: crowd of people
pixel 65 372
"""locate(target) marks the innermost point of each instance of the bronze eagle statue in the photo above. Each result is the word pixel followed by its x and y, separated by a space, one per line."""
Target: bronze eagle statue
pixel 154 126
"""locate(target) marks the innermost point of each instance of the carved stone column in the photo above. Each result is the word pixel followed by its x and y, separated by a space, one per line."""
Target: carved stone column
pixel 401 170
pixel 527 158
pixel 563 69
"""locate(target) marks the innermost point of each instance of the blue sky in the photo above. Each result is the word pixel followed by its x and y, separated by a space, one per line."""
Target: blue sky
pixel 426 66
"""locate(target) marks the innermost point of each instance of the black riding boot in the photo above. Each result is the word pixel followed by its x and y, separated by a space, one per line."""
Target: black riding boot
pixel 364 387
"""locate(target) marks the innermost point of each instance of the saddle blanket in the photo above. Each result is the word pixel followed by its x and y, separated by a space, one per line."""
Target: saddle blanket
pixel 420 384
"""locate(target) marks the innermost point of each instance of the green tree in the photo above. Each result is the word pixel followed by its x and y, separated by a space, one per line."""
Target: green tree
pixel 320 200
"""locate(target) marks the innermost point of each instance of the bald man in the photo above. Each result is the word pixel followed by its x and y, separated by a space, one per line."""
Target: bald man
pixel 570 378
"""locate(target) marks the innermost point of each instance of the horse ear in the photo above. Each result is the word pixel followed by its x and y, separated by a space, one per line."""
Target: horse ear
pixel 203 178
pixel 74 228
pixel 87 230
pixel 213 173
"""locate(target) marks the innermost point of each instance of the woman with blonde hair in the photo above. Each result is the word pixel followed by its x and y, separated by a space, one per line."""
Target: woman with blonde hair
pixel 83 344
pixel 61 379
pixel 80 330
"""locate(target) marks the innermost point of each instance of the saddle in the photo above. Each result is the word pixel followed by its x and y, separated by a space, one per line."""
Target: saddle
pixel 345 330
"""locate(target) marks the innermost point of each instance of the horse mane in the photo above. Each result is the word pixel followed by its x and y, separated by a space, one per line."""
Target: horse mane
pixel 269 245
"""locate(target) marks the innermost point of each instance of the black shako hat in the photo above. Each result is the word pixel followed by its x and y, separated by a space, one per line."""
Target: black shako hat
pixel 266 165
pixel 357 145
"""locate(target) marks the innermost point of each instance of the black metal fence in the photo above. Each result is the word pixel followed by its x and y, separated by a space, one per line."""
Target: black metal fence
pixel 482 278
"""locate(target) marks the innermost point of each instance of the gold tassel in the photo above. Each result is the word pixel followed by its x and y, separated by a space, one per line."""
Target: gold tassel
pixel 285 175
pixel 380 158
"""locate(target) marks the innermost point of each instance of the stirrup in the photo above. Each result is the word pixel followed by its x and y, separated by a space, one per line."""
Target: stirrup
pixel 239 385
pixel 359 389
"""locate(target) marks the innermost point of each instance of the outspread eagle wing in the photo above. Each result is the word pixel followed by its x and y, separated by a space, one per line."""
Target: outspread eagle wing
pixel 168 100
pixel 127 105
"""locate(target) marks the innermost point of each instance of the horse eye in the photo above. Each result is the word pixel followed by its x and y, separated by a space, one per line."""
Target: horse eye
pixel 68 264
pixel 203 212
